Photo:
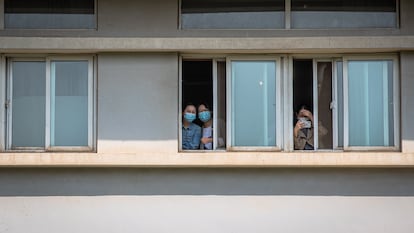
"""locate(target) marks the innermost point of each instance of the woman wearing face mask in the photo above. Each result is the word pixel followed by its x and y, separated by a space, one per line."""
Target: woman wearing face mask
pixel 204 114
pixel 191 133
pixel 303 131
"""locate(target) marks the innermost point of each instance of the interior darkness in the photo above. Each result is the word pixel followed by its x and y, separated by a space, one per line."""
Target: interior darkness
pixel 302 85
pixel 197 82
pixel 50 6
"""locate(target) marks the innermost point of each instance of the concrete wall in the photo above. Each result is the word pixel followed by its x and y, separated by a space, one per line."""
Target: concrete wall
pixel 206 200
pixel 137 102
pixel 407 100
pixel 159 18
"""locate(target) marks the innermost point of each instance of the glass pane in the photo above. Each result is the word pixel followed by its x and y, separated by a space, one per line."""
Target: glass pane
pixel 237 14
pixel 370 103
pixel 344 14
pixel 324 70
pixel 66 14
pixel 221 105
pixel 253 103
pixel 28 104
pixel 69 103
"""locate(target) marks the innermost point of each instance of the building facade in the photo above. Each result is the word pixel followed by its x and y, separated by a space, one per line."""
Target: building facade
pixel 94 91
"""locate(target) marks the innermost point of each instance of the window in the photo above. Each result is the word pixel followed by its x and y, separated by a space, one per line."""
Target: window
pixel 279 14
pixel 370 103
pixel 254 103
pixel 223 83
pixel 353 101
pixel 232 14
pixel 343 14
pixel 49 14
pixel 204 82
pixel 50 104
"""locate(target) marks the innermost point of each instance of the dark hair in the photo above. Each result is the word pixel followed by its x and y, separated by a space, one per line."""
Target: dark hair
pixel 304 107
pixel 205 105
pixel 188 104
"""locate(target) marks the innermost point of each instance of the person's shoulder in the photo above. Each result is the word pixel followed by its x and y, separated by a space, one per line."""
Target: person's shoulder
pixel 195 126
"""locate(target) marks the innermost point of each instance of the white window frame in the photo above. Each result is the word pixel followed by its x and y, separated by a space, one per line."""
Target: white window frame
pixel 214 60
pixel 315 62
pixel 91 103
pixel 396 102
pixel 279 114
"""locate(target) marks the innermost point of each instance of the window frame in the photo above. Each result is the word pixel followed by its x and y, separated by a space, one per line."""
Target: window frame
pixel 91 102
pixel 278 94
pixel 396 101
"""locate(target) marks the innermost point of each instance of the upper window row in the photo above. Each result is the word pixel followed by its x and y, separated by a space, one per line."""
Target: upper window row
pixel 216 14
pixel 279 14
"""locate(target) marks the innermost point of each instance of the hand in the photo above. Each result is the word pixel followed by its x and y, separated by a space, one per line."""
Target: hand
pixel 298 126
pixel 206 140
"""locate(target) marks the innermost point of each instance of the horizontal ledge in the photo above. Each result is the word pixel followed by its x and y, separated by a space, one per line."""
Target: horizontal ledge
pixel 275 44
pixel 213 159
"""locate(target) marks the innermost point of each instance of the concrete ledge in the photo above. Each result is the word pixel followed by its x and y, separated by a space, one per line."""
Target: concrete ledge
pixel 210 159
pixel 268 45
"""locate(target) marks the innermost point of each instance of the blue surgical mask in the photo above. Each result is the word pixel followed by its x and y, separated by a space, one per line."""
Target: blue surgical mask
pixel 204 116
pixel 190 117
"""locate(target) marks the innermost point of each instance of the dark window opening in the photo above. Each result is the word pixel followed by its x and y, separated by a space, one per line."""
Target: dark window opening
pixel 303 95
pixel 50 6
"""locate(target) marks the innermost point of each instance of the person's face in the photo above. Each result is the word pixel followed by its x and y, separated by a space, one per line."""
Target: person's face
pixel 190 109
pixel 305 113
pixel 202 108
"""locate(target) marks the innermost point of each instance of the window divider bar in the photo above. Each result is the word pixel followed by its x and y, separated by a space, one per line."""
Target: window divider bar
pixel 48 105
pixel 288 13
pixel 215 109
pixel 345 99
pixel 90 102
pixel 315 105
pixel 180 100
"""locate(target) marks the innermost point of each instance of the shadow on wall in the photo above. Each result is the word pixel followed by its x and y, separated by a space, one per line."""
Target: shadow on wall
pixel 206 181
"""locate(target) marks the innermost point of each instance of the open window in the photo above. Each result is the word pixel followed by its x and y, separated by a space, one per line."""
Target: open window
pixel 204 82
pixel 353 101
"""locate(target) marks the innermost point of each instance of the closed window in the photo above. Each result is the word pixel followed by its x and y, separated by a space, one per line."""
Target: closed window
pixel 50 103
pixel 254 103
pixel 370 103
pixel 232 14
pixel 50 14
pixel 344 14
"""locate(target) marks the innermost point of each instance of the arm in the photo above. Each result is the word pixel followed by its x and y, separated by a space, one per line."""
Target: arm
pixel 195 142
pixel 299 141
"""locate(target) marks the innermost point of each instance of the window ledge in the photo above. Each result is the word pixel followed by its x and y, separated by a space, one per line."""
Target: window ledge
pixel 214 159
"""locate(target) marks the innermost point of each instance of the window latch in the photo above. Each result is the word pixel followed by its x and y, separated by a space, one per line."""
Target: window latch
pixel 332 105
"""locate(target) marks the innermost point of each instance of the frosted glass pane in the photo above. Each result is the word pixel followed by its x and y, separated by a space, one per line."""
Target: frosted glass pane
pixel 69 103
pixel 253 103
pixel 49 21
pixel 233 20
pixel 28 104
pixel 336 19
pixel 370 103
